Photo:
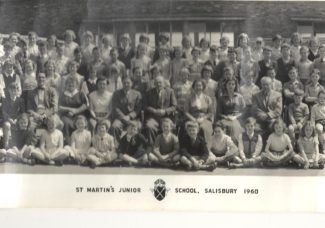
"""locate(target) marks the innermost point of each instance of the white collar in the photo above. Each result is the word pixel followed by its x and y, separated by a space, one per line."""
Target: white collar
pixel 93 81
pixel 9 75
pixel 70 94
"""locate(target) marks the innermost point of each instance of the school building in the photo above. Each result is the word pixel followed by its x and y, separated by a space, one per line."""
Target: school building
pixel 198 18
pixel 210 18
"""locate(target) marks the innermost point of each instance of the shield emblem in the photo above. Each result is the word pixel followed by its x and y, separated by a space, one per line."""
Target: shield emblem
pixel 160 192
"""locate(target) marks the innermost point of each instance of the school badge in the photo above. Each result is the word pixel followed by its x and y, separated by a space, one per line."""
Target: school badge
pixel 160 190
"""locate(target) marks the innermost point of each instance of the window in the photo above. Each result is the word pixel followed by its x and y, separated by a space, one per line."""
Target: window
pixel 177 39
pixel 215 38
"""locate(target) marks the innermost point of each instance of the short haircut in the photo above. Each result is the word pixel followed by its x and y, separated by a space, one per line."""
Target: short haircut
pixel 250 120
pixel 277 37
pixel 32 33
pixel 77 50
pixel 185 70
pixel 42 44
pixel 228 69
pixel 293 68
pixel 281 122
pixel 114 49
pixel 190 123
pixel 195 49
pixel 304 48
pixel 41 74
pixel 100 79
pixel 169 121
pixel 285 45
pixel 206 68
pixel 23 115
pixel 134 123
pixel 186 38
pixel 266 79
pixel 219 124
pixel 14 85
pixel 81 117
pixel 105 123
pixel 270 68
pixel 199 81
pixel 127 77
pixel 71 33
pixel 225 38
pixel 87 34
pixel 267 48
pixel 177 48
pixel 51 118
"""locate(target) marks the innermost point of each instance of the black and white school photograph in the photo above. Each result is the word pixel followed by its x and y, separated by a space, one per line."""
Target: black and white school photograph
pixel 155 87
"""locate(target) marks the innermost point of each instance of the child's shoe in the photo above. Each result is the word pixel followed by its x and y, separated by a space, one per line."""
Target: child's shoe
pixel 51 163
pixel 92 164
pixel 30 162
pixel 212 167
pixel 59 163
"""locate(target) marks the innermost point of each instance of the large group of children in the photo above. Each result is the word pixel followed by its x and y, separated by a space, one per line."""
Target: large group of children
pixel 189 107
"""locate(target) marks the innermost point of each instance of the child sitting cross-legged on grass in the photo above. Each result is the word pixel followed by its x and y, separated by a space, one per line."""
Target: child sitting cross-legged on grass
pixel 103 148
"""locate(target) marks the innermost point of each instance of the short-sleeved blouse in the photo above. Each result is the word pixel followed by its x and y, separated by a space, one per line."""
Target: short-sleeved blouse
pixel 101 103
pixel 231 105
pixel 220 146
pixel 199 106
pixel 103 144
pixel 278 143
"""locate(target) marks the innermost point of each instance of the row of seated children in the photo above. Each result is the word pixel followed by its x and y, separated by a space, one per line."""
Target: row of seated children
pixel 189 151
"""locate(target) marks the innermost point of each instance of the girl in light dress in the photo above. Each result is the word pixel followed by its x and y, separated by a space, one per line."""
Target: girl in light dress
pixel 51 149
pixel 309 156
pixel 278 149
pixel 69 43
pixel 28 79
pixel 141 59
pixel 80 141
pixel 87 45
pixel 106 47
pixel 103 149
